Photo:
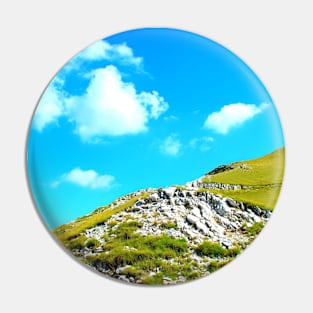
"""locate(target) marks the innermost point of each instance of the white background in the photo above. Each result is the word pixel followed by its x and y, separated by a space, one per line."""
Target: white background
pixel 274 38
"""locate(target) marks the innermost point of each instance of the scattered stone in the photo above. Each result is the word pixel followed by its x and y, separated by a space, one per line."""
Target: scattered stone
pixel 196 212
pixel 172 201
pixel 124 278
pixel 192 219
pixel 256 219
pixel 167 279
pixel 139 203
pixel 189 203
pixel 257 211
pixel 169 191
pixel 200 226
pixel 231 202
pixel 154 197
pixel 206 210
pixel 227 243
pixel 121 269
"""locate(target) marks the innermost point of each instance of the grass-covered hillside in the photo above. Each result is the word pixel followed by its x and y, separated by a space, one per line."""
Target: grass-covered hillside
pixel 71 230
pixel 259 180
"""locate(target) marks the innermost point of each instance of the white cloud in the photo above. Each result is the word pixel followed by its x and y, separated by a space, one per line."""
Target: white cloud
pixel 88 178
pixel 232 115
pixel 108 106
pixel 50 106
pixel 96 51
pixel 201 143
pixel 102 50
pixel 111 107
pixel 171 146
pixel 153 102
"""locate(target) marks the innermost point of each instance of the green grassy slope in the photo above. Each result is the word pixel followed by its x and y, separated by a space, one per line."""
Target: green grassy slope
pixel 71 230
pixel 263 175
pixel 266 170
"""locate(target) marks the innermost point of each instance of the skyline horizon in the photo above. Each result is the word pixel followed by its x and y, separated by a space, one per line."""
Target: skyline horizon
pixel 173 185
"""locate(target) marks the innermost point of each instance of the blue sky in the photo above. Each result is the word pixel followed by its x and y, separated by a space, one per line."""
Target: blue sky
pixel 145 108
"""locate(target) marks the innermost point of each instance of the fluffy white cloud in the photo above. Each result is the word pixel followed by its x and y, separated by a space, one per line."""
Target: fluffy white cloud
pixel 50 106
pixel 232 115
pixel 88 178
pixel 171 146
pixel 108 106
pixel 102 50
pixel 111 107
pixel 201 143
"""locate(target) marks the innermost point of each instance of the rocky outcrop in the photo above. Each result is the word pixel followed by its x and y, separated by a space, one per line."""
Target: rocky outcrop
pixel 220 169
pixel 197 216
pixel 187 213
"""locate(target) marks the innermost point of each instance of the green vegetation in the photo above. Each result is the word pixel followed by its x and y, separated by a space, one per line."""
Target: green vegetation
pixel 215 250
pixel 267 170
pixel 77 243
pixel 141 255
pixel 92 243
pixel 263 176
pixel 255 229
pixel 113 223
pixel 211 249
pixel 265 197
pixel 156 279
pixel 72 230
pixel 133 271
pixel 168 225
pixel 125 231
pixel 216 264
pixel 149 259
pixel 180 187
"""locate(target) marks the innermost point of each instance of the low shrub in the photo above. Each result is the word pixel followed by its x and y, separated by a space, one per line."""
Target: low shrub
pixel 168 225
pixel 77 243
pixel 232 252
pixel 214 249
pixel 156 279
pixel 133 272
pixel 164 242
pixel 215 265
pixel 92 243
pixel 255 229
pixel 211 249
pixel 113 223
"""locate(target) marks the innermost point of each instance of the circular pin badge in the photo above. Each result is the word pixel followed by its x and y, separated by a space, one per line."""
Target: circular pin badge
pixel 155 156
